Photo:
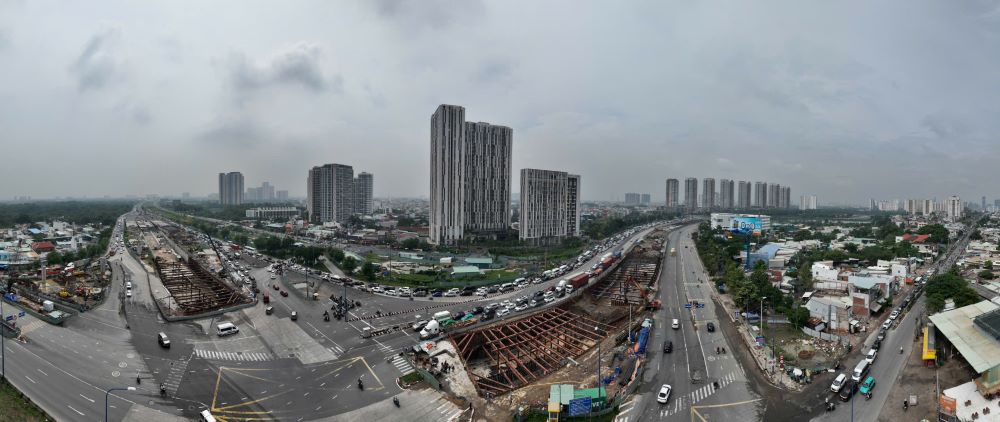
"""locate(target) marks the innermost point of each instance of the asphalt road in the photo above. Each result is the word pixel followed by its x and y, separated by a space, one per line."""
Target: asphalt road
pixel 694 364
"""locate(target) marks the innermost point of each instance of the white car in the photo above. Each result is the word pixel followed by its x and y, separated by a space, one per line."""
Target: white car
pixel 886 324
pixel 452 293
pixel 502 312
pixel 664 394
pixel 128 292
pixel 520 308
pixel 549 299
pixel 376 289
pixel 675 324
pixel 893 315
pixel 871 356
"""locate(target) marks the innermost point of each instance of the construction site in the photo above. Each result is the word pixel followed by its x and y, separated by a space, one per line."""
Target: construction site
pixel 521 359
pixel 194 288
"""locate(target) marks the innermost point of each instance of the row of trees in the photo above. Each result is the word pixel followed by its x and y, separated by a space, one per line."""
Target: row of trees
pixel 949 285
pixel 600 228
pixel 79 212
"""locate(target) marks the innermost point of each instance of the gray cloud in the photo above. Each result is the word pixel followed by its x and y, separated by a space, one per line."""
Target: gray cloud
pixel 99 64
pixel 297 65
pixel 433 14
pixel 234 132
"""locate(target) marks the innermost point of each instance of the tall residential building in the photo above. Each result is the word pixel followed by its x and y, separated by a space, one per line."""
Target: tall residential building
pixel 645 199
pixel 743 195
pixel 785 196
pixel 470 176
pixel 708 193
pixel 282 195
pixel 773 191
pixel 760 194
pixel 726 194
pixel 807 202
pixel 231 188
pixel 487 177
pixel 954 208
pixel 364 186
pixel 573 205
pixel 691 194
pixel 673 193
pixel 545 197
pixel 447 201
pixel 632 198
pixel 330 193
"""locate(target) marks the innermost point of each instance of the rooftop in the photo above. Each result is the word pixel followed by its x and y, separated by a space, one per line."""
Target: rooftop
pixel 979 348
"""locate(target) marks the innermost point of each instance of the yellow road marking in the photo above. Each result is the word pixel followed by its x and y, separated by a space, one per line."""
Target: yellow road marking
pixel 250 402
pixel 217 379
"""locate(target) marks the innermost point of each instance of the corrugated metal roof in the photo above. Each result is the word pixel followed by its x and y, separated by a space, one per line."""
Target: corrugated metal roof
pixel 862 282
pixel 479 260
pixel 466 269
pixel 979 349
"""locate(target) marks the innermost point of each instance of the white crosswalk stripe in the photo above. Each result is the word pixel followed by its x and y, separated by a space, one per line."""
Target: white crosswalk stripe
pixel 402 364
pixel 337 351
pixel 692 398
pixel 31 326
pixel 246 356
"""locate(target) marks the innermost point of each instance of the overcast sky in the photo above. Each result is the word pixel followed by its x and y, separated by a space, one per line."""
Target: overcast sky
pixel 846 101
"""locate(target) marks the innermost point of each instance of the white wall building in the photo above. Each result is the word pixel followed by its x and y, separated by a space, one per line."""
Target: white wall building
pixel 447 200
pixel 545 198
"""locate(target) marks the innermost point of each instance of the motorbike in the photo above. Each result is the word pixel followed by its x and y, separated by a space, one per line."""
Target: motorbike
pixel 868 396
pixel 715 385
pixel 900 350
pixel 361 385
pixel 906 404
pixel 395 401
pixel 163 389
pixel 830 406
pixel 326 317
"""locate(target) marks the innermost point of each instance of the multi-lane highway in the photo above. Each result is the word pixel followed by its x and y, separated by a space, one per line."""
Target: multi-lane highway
pixel 694 365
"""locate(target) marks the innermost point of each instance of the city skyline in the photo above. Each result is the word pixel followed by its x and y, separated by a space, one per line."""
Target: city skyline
pixel 808 104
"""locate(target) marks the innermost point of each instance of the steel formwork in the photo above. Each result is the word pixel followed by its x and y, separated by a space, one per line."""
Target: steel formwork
pixel 630 281
pixel 194 289
pixel 523 350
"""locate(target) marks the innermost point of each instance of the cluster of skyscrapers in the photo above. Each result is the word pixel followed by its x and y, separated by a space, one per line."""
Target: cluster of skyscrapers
pixel 231 191
pixel 951 207
pixel 334 194
pixel 633 198
pixel 729 195
pixel 470 181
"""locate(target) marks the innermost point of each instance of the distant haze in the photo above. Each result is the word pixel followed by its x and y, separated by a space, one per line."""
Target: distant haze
pixel 845 100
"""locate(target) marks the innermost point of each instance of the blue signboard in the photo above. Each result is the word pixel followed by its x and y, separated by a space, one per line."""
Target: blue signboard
pixel 580 406
pixel 687 306
pixel 701 305
pixel 760 340
pixel 10 318
pixel 746 225
pixel 21 314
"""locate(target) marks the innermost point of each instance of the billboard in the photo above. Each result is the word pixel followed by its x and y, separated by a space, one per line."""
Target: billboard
pixel 746 225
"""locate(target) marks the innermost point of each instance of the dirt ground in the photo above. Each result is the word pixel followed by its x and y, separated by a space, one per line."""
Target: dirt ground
pixel 919 380
pixel 809 352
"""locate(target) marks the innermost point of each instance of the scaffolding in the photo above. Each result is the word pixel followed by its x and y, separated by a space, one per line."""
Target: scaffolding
pixel 630 282
pixel 521 351
pixel 194 289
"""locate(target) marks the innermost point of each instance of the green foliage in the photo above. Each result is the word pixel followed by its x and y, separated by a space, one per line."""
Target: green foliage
pixel 369 270
pixel 798 316
pixel 414 243
pixel 78 212
pixel 986 275
pixel 348 264
pixel 284 248
pixel 988 265
pixel 336 255
pixel 938 233
pixel 215 210
pixel 949 285
pixel 601 228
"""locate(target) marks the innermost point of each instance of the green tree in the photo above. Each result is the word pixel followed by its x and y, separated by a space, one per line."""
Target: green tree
pixel 411 243
pixel 348 264
pixel 986 275
pixel 336 255
pixel 798 316
pixel 937 232
pixel 851 248
pixel 988 265
pixel 369 270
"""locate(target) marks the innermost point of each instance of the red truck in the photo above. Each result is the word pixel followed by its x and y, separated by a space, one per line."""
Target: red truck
pixel 607 262
pixel 579 281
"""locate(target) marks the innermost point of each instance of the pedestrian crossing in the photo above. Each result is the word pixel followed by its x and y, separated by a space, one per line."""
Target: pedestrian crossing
pixel 31 326
pixel 623 410
pixel 241 356
pixel 402 364
pixel 173 381
pixel 682 403
pixel 337 351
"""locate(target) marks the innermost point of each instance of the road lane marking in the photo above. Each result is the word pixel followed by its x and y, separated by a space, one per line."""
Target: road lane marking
pixel 88 398
pixel 77 411
pixel 29 379
pixel 43 372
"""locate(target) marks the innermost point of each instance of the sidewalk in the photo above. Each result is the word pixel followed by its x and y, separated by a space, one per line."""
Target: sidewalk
pixel 766 366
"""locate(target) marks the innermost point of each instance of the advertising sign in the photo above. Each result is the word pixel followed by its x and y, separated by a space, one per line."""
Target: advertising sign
pixel 948 404
pixel 580 406
pixel 746 225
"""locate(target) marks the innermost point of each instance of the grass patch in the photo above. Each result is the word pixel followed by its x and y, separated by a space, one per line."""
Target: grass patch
pixel 15 407
pixel 410 378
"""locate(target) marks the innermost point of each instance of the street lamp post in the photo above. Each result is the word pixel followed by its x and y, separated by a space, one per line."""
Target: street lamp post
pixel 107 393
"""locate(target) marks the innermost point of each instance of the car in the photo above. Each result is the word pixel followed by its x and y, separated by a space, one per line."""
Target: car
pixel 870 357
pixel 838 383
pixel 437 293
pixel 486 316
pixel 163 340
pixel 886 324
pixel 539 294
pixel 295 316
pixel 847 391
pixel 549 299
pixel 493 306
pixel 893 315
pixel 502 312
pixel 128 285
pixel 675 324
pixel 867 386
pixel 881 335
pixel 276 287
pixel 664 394
pixel 452 292
pixel 520 308
pixel 536 302
pixel 877 344
pixel 668 346
pixel 492 289
pixel 128 293
pixel 273 276
pixel 269 310
pixel 710 326
pixel 284 293
pixel 419 293
pixel 481 291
